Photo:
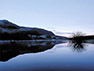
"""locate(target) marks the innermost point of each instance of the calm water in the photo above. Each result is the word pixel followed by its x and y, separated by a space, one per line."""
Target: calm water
pixel 46 56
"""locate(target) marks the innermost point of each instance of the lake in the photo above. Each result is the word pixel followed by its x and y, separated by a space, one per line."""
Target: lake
pixel 46 56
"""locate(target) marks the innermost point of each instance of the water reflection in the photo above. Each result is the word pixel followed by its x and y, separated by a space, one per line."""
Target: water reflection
pixel 78 47
pixel 79 44
pixel 10 50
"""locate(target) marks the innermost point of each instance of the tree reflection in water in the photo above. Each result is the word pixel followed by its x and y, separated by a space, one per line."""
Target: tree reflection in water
pixel 78 41
pixel 78 44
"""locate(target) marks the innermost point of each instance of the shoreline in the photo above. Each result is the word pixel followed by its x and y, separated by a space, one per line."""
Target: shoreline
pixel 23 41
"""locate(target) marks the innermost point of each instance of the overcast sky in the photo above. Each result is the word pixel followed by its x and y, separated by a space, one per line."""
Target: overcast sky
pixel 55 15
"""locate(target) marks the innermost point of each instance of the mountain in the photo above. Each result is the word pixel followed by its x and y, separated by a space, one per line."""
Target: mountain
pixel 11 31
pixel 9 27
pixel 61 37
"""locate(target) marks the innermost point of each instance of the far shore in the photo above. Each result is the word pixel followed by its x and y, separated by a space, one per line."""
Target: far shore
pixel 49 40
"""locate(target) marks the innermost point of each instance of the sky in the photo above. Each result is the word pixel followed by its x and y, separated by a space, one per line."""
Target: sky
pixel 62 17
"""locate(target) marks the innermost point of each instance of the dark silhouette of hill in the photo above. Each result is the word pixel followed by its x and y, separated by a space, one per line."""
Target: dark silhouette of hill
pixel 11 31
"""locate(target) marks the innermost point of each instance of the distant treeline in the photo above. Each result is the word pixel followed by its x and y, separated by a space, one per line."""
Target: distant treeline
pixel 90 37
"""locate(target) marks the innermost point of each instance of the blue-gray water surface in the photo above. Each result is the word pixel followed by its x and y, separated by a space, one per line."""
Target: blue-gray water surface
pixel 59 57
